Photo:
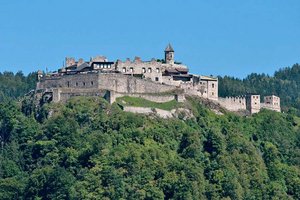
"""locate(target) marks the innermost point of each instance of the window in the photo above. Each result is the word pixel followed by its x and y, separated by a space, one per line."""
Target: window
pixel 101 66
pixel 83 83
pixel 157 70
pixel 76 84
pixel 124 69
pixel 156 79
pixel 68 83
pixel 144 70
pixel 213 85
pixel 149 70
pixel 92 83
pixel 131 69
pixel 214 94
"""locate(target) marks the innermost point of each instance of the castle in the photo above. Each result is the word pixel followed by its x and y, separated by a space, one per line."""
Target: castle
pixel 155 80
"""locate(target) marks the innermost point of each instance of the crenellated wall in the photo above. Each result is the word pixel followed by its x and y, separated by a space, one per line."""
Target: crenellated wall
pixel 233 103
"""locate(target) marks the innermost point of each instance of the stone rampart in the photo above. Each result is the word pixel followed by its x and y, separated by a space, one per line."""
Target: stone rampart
pixel 270 107
pixel 129 84
pixel 233 103
pixel 63 94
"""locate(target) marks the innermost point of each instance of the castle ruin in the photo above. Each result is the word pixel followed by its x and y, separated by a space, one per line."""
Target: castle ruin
pixel 156 80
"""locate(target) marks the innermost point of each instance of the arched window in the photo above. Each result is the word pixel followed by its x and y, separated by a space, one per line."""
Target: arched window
pixel 124 70
pixel 149 70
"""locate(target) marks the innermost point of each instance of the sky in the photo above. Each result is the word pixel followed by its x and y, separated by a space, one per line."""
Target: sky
pixel 211 37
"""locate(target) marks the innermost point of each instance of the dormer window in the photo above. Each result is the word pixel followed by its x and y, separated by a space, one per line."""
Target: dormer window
pixel 131 69
pixel 144 70
pixel 124 70
pixel 149 70
pixel 157 70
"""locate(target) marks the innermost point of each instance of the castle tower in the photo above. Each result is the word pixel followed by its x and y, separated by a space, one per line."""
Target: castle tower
pixel 272 102
pixel 169 54
pixel 253 103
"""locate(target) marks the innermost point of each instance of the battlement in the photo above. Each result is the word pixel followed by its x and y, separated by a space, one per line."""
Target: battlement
pixel 233 103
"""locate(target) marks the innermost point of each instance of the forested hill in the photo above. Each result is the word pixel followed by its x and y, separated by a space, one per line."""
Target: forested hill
pixel 89 149
pixel 285 83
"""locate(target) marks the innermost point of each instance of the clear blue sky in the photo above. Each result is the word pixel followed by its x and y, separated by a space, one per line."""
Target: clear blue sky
pixel 218 37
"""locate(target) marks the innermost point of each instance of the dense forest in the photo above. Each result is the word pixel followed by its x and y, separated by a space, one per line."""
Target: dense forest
pixel 89 149
pixel 15 85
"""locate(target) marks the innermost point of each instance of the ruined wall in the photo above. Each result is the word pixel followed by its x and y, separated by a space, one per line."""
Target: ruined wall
pixel 151 70
pixel 128 84
pixel 85 81
pixel 64 87
pixel 270 107
pixel 233 103
pixel 67 93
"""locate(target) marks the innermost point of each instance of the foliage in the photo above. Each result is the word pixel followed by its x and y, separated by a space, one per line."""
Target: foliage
pixel 88 149
pixel 15 85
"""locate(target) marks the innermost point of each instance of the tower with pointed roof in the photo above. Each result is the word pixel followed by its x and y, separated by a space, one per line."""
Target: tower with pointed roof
pixel 169 54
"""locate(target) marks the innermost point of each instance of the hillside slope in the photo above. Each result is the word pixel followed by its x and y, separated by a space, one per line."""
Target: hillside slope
pixel 89 149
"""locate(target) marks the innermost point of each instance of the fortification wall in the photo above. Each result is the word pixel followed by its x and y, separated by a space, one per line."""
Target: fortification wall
pixel 128 84
pixel 63 94
pixel 233 103
pixel 86 81
pixel 270 107
pixel 115 82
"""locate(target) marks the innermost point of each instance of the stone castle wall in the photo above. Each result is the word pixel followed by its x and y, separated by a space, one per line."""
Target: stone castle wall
pixel 151 70
pixel 77 81
pixel 114 82
pixel 129 84
pixel 63 94
pixel 233 103
pixel 108 85
pixel 270 107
